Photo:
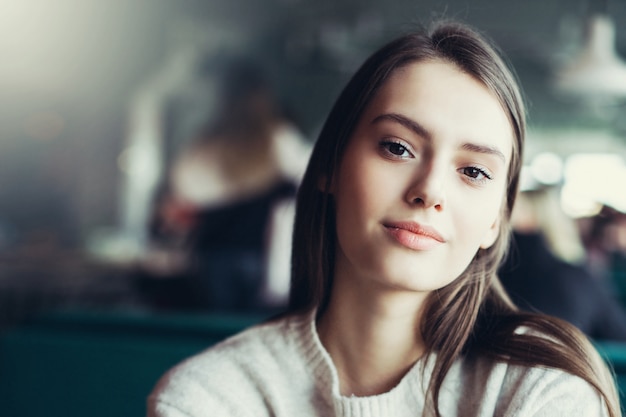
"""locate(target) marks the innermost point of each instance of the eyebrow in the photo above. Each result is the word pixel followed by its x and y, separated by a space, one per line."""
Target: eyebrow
pixel 404 121
pixel 422 131
pixel 489 150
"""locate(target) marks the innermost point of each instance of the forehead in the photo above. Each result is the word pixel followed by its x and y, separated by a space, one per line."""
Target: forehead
pixel 447 102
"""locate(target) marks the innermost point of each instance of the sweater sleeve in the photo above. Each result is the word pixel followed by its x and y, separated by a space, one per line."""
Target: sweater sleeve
pixel 554 393
pixel 243 376
pixel 180 395
pixel 161 408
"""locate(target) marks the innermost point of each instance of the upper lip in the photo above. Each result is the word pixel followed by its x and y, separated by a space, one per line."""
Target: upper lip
pixel 416 228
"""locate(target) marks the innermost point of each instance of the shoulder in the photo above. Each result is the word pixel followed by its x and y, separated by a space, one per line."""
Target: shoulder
pixel 539 391
pixel 546 390
pixel 236 377
pixel 527 391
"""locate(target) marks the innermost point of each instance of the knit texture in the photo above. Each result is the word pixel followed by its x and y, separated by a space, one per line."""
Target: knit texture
pixel 281 369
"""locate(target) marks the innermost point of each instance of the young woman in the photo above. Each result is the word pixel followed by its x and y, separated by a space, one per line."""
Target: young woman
pixel 402 220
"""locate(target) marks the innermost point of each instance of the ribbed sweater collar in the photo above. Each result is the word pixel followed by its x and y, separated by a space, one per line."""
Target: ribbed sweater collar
pixel 404 398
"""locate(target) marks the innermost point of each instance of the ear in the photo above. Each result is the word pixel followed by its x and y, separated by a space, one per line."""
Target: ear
pixel 491 235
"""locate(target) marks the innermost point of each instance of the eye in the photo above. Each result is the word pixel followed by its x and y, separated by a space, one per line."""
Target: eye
pixel 396 150
pixel 476 174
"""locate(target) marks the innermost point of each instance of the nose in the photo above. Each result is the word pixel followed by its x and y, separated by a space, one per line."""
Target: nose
pixel 427 188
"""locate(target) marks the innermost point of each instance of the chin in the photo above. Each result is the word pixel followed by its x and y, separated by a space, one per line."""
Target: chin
pixel 413 284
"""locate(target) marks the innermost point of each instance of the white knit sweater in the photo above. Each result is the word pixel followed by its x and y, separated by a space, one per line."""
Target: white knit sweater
pixel 281 369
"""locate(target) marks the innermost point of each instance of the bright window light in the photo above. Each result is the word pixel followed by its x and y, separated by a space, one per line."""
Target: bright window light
pixel 593 180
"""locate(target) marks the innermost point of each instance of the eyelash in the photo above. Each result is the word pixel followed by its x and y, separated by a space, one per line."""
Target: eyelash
pixel 480 172
pixel 386 147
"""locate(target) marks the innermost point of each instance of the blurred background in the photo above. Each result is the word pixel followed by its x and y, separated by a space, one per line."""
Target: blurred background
pixel 150 152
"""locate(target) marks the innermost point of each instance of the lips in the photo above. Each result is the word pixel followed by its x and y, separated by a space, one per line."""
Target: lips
pixel 414 235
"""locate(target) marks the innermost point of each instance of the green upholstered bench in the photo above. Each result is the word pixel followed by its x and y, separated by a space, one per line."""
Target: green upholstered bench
pixel 86 363
pixel 97 364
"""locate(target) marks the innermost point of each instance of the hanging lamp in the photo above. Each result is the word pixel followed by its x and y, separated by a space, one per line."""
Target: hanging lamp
pixel 597 71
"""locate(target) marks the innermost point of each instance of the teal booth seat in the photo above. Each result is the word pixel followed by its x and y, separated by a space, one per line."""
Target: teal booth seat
pixel 97 364
pixel 103 364
pixel 615 354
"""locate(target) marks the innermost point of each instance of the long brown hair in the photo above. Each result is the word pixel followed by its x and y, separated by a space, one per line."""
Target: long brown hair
pixel 473 314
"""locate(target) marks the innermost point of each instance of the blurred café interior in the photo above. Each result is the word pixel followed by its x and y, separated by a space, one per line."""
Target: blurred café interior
pixel 150 152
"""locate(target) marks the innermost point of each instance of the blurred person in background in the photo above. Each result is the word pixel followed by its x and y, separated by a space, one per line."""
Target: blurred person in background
pixel 227 204
pixel 546 270
pixel 604 236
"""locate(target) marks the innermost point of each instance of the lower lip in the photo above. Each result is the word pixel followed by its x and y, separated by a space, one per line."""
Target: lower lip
pixel 412 240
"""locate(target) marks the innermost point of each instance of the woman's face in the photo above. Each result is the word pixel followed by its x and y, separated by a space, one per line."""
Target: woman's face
pixel 422 182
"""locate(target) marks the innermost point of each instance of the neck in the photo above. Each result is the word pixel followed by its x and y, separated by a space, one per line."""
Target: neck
pixel 372 336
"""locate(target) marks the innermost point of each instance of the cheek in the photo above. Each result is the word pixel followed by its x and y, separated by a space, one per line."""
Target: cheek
pixel 363 188
pixel 478 217
pixel 363 195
